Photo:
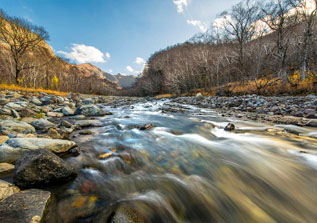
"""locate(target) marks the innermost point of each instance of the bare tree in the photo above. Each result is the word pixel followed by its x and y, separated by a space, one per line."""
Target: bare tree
pixel 275 14
pixel 239 24
pixel 22 37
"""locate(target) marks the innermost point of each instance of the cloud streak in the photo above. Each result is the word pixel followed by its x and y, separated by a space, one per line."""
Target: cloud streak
pixel 199 24
pixel 81 53
pixel 131 70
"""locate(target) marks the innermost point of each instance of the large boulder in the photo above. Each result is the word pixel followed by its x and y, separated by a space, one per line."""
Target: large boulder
pixel 53 145
pixel 14 127
pixel 40 168
pixel 14 148
pixel 7 189
pixel 29 206
pixel 42 124
pixel 88 110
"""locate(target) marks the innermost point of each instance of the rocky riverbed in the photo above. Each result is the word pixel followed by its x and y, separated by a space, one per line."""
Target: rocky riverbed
pixel 46 142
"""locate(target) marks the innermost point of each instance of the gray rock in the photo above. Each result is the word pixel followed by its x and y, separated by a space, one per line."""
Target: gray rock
pixel 15 127
pixel 7 189
pixel 88 110
pixel 67 111
pixel 5 111
pixel 88 101
pixel 16 105
pixel 88 123
pixel 230 127
pixel 9 154
pixel 40 168
pixel 29 206
pixel 36 101
pixel 53 145
pixel 42 124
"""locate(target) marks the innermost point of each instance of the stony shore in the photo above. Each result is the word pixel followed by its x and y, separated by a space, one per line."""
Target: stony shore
pixel 298 110
pixel 36 129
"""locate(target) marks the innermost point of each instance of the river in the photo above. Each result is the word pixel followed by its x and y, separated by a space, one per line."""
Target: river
pixel 188 169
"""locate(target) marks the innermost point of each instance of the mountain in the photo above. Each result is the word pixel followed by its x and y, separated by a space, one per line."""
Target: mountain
pixel 125 81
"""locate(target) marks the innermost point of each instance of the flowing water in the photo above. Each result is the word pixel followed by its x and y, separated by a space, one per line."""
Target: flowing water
pixel 188 169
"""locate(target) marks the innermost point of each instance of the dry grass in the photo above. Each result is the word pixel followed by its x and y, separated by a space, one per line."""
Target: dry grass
pixel 19 88
pixel 164 96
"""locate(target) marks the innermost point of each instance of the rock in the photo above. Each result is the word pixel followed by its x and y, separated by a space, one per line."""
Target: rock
pixel 14 127
pixel 26 112
pixel 230 127
pixel 16 105
pixel 88 123
pixel 9 154
pixel 88 110
pixel 3 101
pixel 41 168
pixel 54 134
pixel 67 111
pixel 88 101
pixel 312 123
pixel 147 127
pixel 275 109
pixel 53 145
pixel 46 100
pixel 5 111
pixel 6 190
pixel 36 101
pixel 199 96
pixel 55 114
pixel 66 124
pixel 85 132
pixel 6 169
pixel 3 139
pixel 309 111
pixel 15 114
pixel 42 124
pixel 29 206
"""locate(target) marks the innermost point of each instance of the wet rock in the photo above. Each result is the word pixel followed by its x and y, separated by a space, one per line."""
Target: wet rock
pixel 85 132
pixel 88 123
pixel 88 110
pixel 42 124
pixel 40 168
pixel 6 190
pixel 29 206
pixel 6 169
pixel 13 127
pixel 3 139
pixel 67 111
pixel 199 96
pixel 53 145
pixel 230 127
pixel 147 127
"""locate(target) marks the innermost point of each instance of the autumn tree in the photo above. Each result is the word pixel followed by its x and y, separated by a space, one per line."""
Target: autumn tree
pixel 22 39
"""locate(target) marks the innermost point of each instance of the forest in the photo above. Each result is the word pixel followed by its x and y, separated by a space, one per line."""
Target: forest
pixel 264 48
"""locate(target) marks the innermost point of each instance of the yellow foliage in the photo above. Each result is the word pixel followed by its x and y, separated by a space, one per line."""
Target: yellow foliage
pixel 19 88
pixel 55 80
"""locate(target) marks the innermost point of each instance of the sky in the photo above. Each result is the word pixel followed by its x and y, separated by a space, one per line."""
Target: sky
pixel 117 36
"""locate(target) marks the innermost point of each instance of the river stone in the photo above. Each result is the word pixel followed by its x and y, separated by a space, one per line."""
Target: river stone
pixel 88 110
pixel 41 167
pixel 9 154
pixel 88 123
pixel 6 169
pixel 3 139
pixel 16 105
pixel 88 101
pixel 29 206
pixel 42 124
pixel 67 111
pixel 7 189
pixel 53 145
pixel 36 101
pixel 14 127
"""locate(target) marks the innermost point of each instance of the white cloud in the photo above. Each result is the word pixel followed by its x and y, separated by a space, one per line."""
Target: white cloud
pixel 199 24
pixel 108 55
pixel 81 53
pixel 109 71
pixel 139 60
pixel 180 5
pixel 131 70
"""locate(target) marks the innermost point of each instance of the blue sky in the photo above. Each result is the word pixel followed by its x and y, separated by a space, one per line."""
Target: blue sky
pixel 117 35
